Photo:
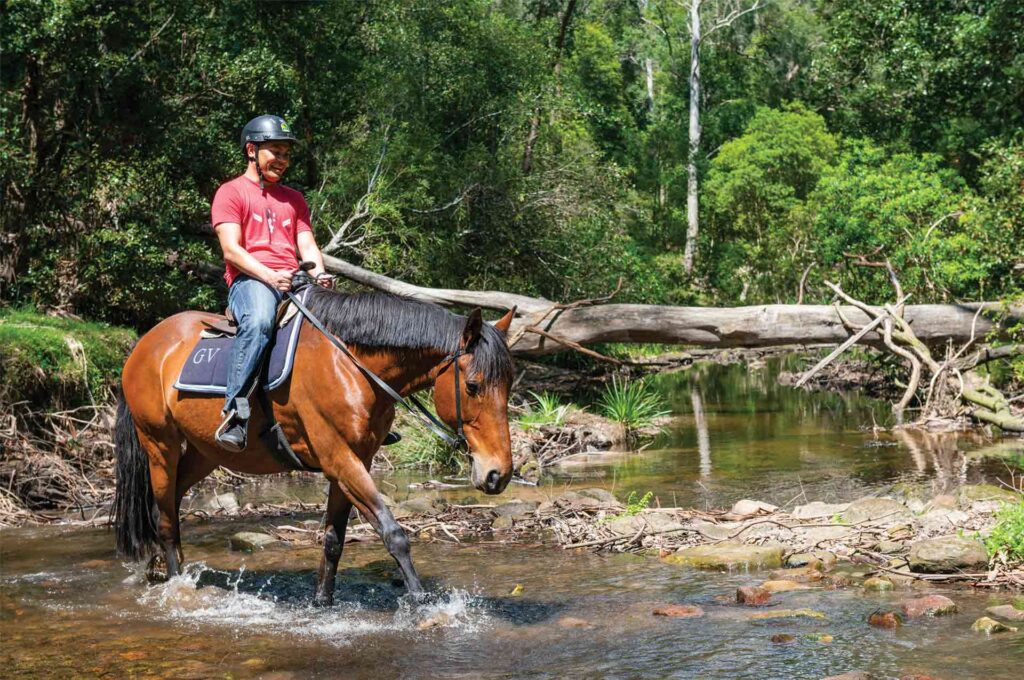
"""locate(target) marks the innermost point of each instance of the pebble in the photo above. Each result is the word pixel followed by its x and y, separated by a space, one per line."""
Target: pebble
pixel 885 619
pixel 930 605
pixel 753 596
pixel 679 611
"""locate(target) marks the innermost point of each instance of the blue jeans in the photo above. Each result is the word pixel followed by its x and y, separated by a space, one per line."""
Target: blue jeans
pixel 254 306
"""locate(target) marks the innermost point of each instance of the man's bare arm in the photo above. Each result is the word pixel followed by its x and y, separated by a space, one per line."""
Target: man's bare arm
pixel 309 251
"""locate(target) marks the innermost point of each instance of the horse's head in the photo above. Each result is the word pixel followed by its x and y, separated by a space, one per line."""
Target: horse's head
pixel 485 378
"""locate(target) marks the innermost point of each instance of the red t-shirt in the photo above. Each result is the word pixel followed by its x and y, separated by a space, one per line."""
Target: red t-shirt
pixel 270 219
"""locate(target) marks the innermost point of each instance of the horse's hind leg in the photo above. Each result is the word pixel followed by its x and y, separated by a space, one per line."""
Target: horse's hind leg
pixel 338 509
pixel 163 475
pixel 192 469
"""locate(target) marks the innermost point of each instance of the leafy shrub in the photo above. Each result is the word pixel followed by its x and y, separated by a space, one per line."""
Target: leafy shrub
pixel 635 404
pixel 1006 542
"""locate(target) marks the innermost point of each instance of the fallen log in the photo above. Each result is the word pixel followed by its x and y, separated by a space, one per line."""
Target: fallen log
pixel 720 327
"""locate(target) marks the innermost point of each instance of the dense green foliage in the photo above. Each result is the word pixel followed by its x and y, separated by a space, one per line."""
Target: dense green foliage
pixel 477 144
pixel 634 403
pixel 1006 541
pixel 58 362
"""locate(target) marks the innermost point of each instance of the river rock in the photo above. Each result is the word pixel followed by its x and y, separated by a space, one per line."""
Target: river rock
pixel 651 521
pixel 249 541
pixel 869 509
pixel 679 611
pixel 420 505
pixel 573 498
pixel 782 585
pixel 502 522
pixel 602 495
pixel 1006 611
pixel 752 596
pixel 515 509
pixel 930 605
pixel 943 520
pixel 786 614
pixel 876 584
pixel 885 619
pixel 226 503
pixel 947 554
pixel 819 510
pixel 990 626
pixel 746 507
pixel 890 547
pixel 782 639
pixel 811 536
pixel 821 560
pixel 729 555
pixel 851 675
pixel 987 492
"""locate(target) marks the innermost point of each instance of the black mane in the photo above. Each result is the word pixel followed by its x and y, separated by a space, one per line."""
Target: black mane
pixel 384 321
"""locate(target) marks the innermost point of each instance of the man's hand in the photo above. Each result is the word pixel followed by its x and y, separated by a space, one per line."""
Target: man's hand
pixel 281 280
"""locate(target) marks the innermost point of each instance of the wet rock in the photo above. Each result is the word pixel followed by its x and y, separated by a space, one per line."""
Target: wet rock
pixel 851 675
pixel 786 614
pixel 947 554
pixel 876 584
pixel 752 596
pixel 572 622
pixel 783 586
pixel 435 621
pixel 783 639
pixel 885 619
pixel 679 611
pixel 502 522
pixel 1006 611
pixel 837 581
pixel 420 505
pixel 823 638
pixel 870 509
pixel 989 626
pixel 822 558
pixel 729 555
pixel 602 495
pixel 746 507
pixel 988 492
pixel 249 541
pixel 930 605
pixel 515 509
pixel 809 574
pixel 819 510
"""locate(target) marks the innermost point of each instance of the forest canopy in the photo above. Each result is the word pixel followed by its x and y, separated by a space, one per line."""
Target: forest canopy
pixel 538 146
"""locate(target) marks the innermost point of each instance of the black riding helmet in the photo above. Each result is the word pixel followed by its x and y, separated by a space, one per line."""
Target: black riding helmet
pixel 265 129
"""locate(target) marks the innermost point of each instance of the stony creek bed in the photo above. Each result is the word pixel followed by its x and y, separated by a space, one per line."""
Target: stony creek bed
pixel 783 538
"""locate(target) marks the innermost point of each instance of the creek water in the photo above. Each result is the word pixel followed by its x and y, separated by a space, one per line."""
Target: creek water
pixel 69 609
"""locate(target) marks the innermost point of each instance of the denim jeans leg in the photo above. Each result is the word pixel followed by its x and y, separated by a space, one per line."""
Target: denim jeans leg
pixel 254 306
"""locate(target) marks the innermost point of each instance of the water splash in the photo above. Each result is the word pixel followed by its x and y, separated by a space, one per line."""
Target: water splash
pixel 185 598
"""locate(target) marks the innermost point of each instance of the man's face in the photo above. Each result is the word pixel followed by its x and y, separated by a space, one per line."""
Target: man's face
pixel 273 159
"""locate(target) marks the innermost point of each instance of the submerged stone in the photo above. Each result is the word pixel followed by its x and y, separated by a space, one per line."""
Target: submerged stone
pixel 679 611
pixel 573 622
pixel 878 584
pixel 729 555
pixel 885 619
pixel 989 626
pixel 930 605
pixel 783 639
pixel 947 554
pixel 787 614
pixel 783 586
pixel 752 596
pixel 249 541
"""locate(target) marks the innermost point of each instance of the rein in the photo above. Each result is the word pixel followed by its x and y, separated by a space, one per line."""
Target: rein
pixel 456 439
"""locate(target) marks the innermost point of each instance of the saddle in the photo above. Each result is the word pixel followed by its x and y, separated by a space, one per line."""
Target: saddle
pixel 227 327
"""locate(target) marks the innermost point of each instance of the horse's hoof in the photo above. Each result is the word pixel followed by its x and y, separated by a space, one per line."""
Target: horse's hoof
pixel 323 601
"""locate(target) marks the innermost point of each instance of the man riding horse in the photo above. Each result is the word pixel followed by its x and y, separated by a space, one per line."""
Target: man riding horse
pixel 264 231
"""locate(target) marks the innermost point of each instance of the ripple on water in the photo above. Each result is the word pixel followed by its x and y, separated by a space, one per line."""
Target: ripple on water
pixel 184 598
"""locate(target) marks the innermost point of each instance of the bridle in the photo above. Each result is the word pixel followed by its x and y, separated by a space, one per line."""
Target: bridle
pixel 455 438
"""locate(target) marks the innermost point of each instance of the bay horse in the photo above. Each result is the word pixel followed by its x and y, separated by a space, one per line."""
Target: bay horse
pixel 333 416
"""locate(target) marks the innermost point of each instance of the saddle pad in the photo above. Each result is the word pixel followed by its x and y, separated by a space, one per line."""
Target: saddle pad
pixel 206 369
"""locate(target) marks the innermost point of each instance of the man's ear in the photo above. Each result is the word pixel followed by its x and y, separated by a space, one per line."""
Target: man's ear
pixel 471 333
pixel 504 322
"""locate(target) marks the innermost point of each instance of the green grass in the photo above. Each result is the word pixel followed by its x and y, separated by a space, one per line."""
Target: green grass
pixel 420 448
pixel 1006 541
pixel 635 403
pixel 546 409
pixel 55 362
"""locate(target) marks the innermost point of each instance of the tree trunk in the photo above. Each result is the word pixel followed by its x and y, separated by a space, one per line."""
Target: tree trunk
pixel 556 67
pixel 692 225
pixel 752 326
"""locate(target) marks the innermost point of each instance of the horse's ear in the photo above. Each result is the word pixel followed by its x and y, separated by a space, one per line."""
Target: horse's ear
pixel 504 322
pixel 471 333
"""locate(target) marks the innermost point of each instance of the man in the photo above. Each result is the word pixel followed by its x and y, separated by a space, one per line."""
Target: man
pixel 264 230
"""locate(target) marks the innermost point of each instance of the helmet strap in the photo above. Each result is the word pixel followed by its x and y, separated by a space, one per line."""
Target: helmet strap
pixel 256 159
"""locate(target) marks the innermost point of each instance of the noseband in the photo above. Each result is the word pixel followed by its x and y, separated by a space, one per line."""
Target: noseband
pixel 457 438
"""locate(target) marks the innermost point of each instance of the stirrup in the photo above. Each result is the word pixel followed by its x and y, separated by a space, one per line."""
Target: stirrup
pixel 229 420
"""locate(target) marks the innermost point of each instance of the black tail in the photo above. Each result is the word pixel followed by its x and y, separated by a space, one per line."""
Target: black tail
pixel 134 509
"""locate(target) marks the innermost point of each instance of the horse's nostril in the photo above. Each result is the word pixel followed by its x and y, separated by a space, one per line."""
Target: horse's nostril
pixel 492 479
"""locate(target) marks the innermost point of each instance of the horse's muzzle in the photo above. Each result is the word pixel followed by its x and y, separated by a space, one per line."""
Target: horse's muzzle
pixel 492 482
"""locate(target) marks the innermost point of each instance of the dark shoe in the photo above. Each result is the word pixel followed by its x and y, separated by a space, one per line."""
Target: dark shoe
pixel 392 438
pixel 231 434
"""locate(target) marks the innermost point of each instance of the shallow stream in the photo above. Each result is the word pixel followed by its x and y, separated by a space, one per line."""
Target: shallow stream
pixel 69 609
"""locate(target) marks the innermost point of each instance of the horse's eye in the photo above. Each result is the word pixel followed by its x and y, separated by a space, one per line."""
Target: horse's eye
pixel 472 388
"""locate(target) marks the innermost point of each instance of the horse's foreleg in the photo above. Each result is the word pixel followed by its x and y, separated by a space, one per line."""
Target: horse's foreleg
pixel 338 509
pixel 357 484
